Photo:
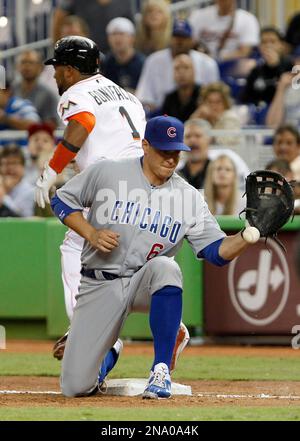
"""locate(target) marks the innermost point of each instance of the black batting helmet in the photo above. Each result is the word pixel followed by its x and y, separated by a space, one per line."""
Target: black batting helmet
pixel 79 52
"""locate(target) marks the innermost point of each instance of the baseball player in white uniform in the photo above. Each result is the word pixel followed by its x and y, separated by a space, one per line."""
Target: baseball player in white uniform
pixel 102 121
pixel 140 212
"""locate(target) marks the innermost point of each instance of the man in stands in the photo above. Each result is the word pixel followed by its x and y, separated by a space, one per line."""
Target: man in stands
pixel 228 32
pixel 157 79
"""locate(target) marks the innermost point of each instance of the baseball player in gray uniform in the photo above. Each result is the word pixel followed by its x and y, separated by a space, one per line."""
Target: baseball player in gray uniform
pixel 140 212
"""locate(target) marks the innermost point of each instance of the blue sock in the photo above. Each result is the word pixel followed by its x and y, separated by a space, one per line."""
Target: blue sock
pixel 165 317
pixel 107 364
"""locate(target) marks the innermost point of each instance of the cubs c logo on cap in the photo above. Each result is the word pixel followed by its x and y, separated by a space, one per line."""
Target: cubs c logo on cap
pixel 165 133
pixel 171 132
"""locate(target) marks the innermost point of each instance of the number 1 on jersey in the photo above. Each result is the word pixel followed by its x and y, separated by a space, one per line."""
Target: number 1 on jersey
pixel 124 113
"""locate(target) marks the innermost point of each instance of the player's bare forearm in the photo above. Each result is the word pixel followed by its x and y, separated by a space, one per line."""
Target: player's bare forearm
pixel 75 133
pixel 232 246
pixel 103 240
pixel 79 224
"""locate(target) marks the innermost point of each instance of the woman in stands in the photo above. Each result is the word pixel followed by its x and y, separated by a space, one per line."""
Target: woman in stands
pixel 216 107
pixel 221 188
pixel 155 27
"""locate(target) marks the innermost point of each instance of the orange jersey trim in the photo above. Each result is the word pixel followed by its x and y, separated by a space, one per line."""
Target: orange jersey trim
pixel 86 119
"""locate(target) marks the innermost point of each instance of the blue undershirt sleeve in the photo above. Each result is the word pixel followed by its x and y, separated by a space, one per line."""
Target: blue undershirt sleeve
pixel 60 209
pixel 211 254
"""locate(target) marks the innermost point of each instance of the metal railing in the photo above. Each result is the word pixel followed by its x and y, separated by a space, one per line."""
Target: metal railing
pixel 15 51
pixel 250 143
pixel 247 131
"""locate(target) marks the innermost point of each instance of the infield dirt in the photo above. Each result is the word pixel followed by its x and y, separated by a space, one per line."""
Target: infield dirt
pixel 251 393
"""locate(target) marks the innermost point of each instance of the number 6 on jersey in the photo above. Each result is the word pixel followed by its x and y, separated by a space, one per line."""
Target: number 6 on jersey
pixel 155 250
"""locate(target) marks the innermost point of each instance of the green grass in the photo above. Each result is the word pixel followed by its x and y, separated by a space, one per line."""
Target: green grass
pixel 28 364
pixel 151 414
pixel 232 368
pixel 189 368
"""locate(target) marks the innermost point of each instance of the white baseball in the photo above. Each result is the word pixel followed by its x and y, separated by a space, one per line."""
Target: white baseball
pixel 251 234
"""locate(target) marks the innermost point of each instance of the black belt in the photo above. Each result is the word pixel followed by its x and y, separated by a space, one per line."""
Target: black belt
pixel 92 275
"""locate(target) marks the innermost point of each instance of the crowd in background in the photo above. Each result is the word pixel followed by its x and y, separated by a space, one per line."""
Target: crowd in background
pixel 214 69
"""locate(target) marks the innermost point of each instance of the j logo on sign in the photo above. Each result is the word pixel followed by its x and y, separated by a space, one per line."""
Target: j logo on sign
pixel 259 293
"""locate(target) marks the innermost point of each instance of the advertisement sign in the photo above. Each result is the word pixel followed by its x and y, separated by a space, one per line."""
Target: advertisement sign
pixel 256 293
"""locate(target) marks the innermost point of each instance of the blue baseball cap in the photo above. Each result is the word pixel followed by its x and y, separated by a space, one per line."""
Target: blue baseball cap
pixel 165 133
pixel 182 28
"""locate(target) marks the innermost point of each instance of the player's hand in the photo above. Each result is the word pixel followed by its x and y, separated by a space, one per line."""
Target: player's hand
pixel 43 185
pixel 104 240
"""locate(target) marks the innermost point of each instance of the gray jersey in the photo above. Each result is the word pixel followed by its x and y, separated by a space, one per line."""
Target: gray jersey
pixel 151 221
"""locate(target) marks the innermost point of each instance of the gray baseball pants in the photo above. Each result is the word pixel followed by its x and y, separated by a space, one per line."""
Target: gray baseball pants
pixel 101 310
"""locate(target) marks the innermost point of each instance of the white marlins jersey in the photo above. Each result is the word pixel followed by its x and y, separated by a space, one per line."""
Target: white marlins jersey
pixel 120 119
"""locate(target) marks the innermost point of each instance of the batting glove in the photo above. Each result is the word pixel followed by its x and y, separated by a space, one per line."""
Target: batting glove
pixel 43 185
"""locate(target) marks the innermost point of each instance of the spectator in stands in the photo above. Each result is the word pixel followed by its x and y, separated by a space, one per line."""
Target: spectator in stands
pixel 41 144
pixel 5 211
pixel 285 106
pixel 182 102
pixel 221 189
pixel 15 113
pixel 197 135
pixel 215 106
pixel 71 25
pixel 30 66
pixel 157 79
pixel 123 64
pixel 40 147
pixel 74 25
pixel 281 166
pixel 293 33
pixel 19 193
pixel 155 27
pixel 201 47
pixel 40 141
pixel 96 13
pixel 286 147
pixel 263 79
pixel 229 32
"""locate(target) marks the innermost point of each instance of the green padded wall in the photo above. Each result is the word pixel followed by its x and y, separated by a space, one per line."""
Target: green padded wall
pixel 22 268
pixel 31 292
